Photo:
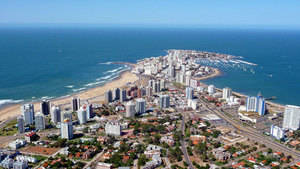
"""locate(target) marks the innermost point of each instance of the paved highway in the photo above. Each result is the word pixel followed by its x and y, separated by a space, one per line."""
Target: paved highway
pixel 183 145
pixel 253 134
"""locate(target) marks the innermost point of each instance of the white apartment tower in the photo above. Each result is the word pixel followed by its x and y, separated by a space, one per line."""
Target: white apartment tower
pixel 66 129
pixel 130 110
pixel 40 123
pixel 291 118
pixel 227 92
pixel 140 106
pixel 55 114
pixel 28 113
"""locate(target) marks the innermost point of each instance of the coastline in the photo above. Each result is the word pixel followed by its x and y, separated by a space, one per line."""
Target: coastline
pixel 217 72
pixel 96 94
pixel 92 94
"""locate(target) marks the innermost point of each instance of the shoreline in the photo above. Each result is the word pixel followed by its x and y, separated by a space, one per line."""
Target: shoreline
pixel 218 72
pixel 92 94
pixel 96 93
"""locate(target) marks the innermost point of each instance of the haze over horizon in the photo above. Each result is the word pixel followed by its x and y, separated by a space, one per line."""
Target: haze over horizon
pixel 231 13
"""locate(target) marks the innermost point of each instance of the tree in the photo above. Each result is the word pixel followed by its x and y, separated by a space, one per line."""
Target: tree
pixel 142 160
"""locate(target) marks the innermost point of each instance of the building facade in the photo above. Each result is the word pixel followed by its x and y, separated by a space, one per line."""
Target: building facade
pixel 291 117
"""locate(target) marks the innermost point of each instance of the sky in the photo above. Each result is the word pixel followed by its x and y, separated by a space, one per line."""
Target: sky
pixel 276 13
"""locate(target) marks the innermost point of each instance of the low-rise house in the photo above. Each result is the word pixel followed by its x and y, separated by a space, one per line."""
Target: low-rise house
pixel 103 165
pixel 252 160
pixel 221 154
pixel 17 144
pixel 167 139
pixel 152 150
pixel 196 139
pixel 155 162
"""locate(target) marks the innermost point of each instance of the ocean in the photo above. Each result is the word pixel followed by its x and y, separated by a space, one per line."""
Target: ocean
pixel 48 62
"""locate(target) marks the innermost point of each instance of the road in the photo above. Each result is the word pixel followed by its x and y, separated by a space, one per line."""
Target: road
pixel 183 145
pixel 254 134
pixel 93 160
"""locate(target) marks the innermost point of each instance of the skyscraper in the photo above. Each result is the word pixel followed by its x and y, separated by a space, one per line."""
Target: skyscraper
pixel 251 104
pixel 20 120
pixel 291 117
pixel 164 101
pixel 211 89
pixel 28 113
pixel 261 106
pixel 256 104
pixel 75 103
pixel 55 114
pixel 108 96
pixel 123 95
pixel 130 110
pixel 45 107
pixel 149 91
pixel 66 129
pixel 82 115
pixel 226 93
pixel 66 115
pixel 89 110
pixel 140 106
pixel 116 94
pixel 189 93
pixel 162 84
pixel 40 121
pixel 171 71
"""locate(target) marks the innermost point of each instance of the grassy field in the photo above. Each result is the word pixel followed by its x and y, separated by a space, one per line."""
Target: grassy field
pixel 9 129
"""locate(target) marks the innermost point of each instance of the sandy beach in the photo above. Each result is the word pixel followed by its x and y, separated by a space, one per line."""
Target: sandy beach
pixel 93 95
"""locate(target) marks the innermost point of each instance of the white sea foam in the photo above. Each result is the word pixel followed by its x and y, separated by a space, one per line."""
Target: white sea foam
pixel 105 63
pixel 9 101
pixel 70 86
pixel 114 70
pixel 47 97
pixel 94 83
pixel 80 89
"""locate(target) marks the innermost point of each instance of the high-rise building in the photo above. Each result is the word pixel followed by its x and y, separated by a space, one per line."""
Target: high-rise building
pixel 45 107
pixel 189 93
pixel 261 106
pixel 66 129
pixel 277 132
pixel 123 97
pixel 149 91
pixel 75 103
pixel 211 89
pixel 81 114
pixel 251 104
pixel 162 84
pixel 164 101
pixel 55 114
pixel 113 128
pixel 21 123
pixel 188 80
pixel 108 96
pixel 226 93
pixel 291 117
pixel 66 115
pixel 40 123
pixel 130 110
pixel 156 87
pixel 28 113
pixel 151 83
pixel 117 94
pixel 89 110
pixel 140 106
pixel 171 71
pixel 256 104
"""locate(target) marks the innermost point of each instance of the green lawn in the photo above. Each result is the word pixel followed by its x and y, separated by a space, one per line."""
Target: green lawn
pixel 9 129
